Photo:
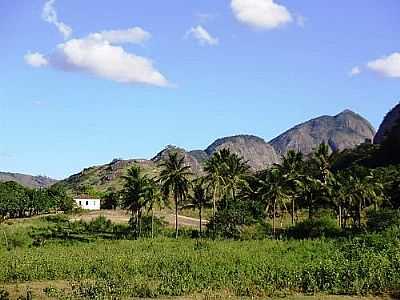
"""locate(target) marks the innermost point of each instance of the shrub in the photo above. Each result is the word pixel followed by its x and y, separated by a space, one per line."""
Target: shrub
pixel 100 224
pixel 257 231
pixel 4 295
pixel 324 226
pixel 379 220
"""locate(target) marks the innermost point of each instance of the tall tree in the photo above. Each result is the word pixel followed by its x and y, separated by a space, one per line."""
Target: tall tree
pixel 274 192
pixel 199 198
pixel 134 194
pixel 292 170
pixel 153 198
pixel 174 178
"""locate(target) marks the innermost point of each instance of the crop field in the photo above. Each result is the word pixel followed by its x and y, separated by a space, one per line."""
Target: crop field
pixel 161 267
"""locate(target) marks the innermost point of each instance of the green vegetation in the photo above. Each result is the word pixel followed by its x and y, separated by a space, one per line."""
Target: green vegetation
pixel 341 232
pixel 17 201
pixel 101 263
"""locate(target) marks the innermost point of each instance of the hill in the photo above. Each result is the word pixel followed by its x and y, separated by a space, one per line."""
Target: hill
pixel 27 180
pixel 390 120
pixel 343 131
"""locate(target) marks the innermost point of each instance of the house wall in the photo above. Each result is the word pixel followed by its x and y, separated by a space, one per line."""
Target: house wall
pixel 89 204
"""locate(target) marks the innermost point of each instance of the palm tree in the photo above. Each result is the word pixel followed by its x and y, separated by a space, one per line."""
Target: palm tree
pixel 214 169
pixel 235 171
pixel 226 171
pixel 134 194
pixel 291 168
pixel 199 199
pixel 174 178
pixel 153 198
pixel 273 192
pixel 323 160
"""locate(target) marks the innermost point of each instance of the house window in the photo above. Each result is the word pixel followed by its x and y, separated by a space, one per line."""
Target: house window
pixel 87 203
pixel 80 203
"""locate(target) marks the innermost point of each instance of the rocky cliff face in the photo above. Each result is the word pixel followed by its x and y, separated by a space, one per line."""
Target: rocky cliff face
pixel 390 120
pixel 27 180
pixel 253 149
pixel 190 160
pixel 343 131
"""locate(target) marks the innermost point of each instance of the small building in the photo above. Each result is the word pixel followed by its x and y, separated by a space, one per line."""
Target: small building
pixel 88 203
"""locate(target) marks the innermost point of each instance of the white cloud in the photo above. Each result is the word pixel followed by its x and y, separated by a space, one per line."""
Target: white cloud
pixel 263 14
pixel 134 35
pixel 49 14
pixel 99 57
pixel 35 59
pixel 355 71
pixel 388 66
pixel 202 36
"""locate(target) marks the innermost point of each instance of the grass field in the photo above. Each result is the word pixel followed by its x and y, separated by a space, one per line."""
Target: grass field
pixel 91 266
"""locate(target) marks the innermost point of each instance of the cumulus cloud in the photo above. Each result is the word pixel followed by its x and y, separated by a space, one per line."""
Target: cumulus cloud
pixel 99 57
pixel 49 14
pixel 262 14
pixel 35 59
pixel 355 71
pixel 388 66
pixel 202 36
pixel 134 35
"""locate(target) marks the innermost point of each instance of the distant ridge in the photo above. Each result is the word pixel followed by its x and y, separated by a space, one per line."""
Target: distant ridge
pixel 27 180
pixel 390 120
pixel 345 130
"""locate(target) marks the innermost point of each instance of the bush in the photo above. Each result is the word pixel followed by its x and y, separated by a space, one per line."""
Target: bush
pixel 4 295
pixel 324 226
pixel 100 224
pixel 257 231
pixel 379 220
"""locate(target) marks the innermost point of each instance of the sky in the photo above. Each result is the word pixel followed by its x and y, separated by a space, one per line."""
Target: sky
pixel 84 82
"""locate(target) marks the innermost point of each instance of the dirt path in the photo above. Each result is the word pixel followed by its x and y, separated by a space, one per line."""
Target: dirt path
pixel 121 217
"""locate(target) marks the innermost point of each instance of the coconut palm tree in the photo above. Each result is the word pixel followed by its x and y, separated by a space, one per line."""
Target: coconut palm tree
pixel 153 198
pixel 174 178
pixel 273 192
pixel 215 179
pixel 134 194
pixel 291 168
pixel 199 199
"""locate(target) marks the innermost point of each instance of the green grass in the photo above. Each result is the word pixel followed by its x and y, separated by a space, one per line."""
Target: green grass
pixel 168 267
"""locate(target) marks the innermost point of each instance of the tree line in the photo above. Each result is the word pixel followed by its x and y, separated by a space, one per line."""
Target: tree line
pixel 237 196
pixel 17 201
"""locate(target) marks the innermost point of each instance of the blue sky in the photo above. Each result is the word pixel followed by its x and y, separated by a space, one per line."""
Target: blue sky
pixel 122 79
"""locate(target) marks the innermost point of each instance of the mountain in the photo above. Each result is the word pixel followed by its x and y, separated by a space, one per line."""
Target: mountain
pixel 190 160
pixel 106 177
pixel 390 120
pixel 27 180
pixel 253 149
pixel 109 176
pixel 343 131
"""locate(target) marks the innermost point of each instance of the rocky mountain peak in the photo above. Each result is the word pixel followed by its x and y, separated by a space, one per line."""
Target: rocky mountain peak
pixel 387 125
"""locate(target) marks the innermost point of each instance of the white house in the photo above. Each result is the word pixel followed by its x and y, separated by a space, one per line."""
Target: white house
pixel 87 203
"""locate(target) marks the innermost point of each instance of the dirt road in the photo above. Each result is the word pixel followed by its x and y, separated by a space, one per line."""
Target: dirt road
pixel 121 216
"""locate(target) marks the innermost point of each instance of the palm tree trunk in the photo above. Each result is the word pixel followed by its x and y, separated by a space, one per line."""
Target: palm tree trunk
pixel 273 219
pixel 214 209
pixel 152 223
pixel 293 210
pixel 176 217
pixel 200 220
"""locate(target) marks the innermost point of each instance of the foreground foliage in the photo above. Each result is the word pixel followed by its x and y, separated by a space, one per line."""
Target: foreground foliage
pixel 368 263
